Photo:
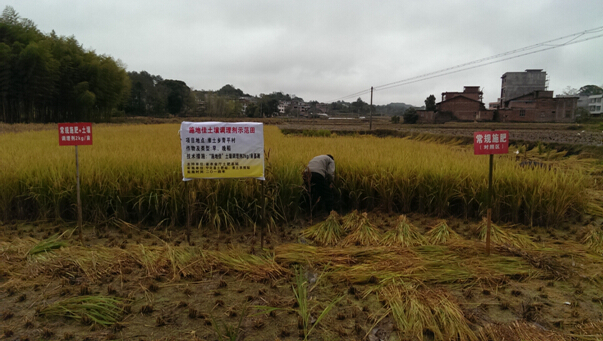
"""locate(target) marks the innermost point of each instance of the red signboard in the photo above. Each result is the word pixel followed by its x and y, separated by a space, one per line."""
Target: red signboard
pixel 75 134
pixel 491 142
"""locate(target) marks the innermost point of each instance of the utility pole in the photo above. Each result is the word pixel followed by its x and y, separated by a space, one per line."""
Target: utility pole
pixel 371 109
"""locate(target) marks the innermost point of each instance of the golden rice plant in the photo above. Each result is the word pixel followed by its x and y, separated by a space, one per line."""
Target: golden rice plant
pixel 365 234
pixel 441 234
pixel 404 234
pixel 129 176
pixel 327 233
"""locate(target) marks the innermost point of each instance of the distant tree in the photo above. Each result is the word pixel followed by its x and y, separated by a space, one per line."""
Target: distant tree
pixel 230 91
pixel 582 114
pixel 47 78
pixel 360 107
pixel 178 96
pixel 252 110
pixel 430 103
pixel 569 91
pixel 589 90
pixel 410 116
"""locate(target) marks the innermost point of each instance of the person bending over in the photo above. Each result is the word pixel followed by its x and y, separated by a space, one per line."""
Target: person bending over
pixel 318 180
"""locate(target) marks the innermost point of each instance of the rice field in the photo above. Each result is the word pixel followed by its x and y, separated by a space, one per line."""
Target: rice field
pixel 132 173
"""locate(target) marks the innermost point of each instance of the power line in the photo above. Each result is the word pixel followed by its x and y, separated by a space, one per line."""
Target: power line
pixel 540 47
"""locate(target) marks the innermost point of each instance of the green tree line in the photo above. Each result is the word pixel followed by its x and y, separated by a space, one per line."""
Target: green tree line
pixel 47 78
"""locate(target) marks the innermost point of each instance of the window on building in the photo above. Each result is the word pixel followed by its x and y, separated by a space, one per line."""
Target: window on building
pixel 522 113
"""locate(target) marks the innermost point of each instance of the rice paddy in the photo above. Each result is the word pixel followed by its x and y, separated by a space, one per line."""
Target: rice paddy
pixel 402 258
pixel 132 173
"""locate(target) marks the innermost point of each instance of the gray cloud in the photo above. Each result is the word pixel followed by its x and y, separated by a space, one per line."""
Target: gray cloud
pixel 325 50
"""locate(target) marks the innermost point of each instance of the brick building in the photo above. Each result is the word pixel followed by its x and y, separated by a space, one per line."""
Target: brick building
pixel 515 84
pixel 539 106
pixel 462 106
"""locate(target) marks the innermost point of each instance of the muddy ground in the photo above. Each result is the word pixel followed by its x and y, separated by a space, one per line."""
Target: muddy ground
pixel 557 290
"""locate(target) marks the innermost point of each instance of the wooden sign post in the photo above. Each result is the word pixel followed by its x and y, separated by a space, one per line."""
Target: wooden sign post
pixel 490 143
pixel 76 134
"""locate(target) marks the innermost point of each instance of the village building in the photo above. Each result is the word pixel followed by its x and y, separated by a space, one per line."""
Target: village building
pixel 515 84
pixel 595 105
pixel 539 106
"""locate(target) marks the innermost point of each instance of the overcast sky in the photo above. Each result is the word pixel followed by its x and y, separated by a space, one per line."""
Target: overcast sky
pixel 326 50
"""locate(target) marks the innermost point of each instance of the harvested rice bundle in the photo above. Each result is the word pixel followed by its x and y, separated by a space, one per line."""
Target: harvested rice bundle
pixel 404 234
pixel 351 221
pixel 441 234
pixel 365 234
pixel 327 233
pixel 500 236
pixel 415 310
pixel 594 239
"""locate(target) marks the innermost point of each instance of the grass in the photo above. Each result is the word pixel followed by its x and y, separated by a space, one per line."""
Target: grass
pixel 102 310
pixel 53 243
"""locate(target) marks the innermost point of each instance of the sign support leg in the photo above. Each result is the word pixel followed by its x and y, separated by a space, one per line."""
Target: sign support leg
pixel 79 200
pixel 263 215
pixel 188 212
pixel 489 215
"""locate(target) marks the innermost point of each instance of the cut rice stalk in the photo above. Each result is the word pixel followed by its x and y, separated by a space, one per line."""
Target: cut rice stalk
pixel 365 234
pixel 404 234
pixel 52 243
pixel 594 239
pixel 502 237
pixel 100 309
pixel 441 234
pixel 327 233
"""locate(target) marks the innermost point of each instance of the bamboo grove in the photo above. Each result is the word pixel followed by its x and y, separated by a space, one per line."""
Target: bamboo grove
pixel 48 78
pixel 132 173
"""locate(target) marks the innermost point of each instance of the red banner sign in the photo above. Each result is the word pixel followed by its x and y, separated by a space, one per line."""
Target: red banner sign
pixel 75 134
pixel 491 142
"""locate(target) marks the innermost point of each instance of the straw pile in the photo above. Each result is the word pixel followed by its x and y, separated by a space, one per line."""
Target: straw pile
pixel 441 234
pixel 364 234
pixel 404 234
pixel 351 221
pixel 326 233
pixel 416 311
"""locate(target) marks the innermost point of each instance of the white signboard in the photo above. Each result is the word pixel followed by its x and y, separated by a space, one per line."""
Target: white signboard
pixel 216 150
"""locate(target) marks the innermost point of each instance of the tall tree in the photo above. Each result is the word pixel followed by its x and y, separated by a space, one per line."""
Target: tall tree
pixel 47 78
pixel 589 90
pixel 430 103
